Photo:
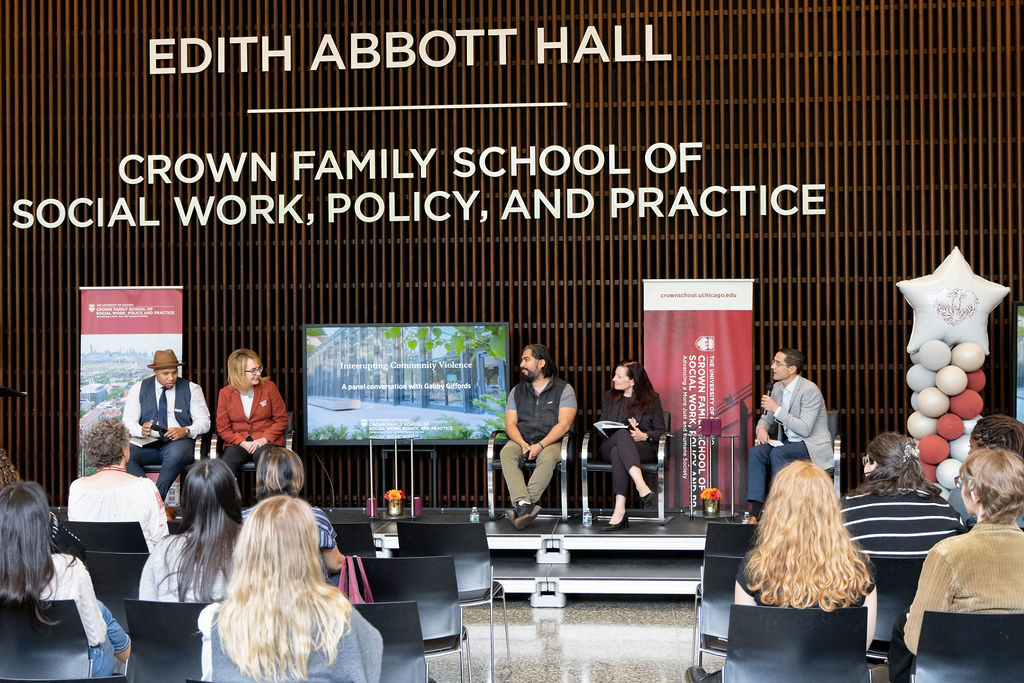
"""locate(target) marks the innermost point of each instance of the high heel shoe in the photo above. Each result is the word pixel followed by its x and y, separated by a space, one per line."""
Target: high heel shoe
pixel 649 501
pixel 624 524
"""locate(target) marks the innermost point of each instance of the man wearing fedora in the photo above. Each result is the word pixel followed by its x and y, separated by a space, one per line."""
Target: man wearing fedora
pixel 170 410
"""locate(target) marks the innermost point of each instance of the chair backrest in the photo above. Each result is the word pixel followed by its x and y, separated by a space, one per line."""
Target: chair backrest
pixel 166 642
pixel 110 537
pixel 115 577
pixel 668 421
pixel 966 647
pixel 355 538
pixel 32 650
pixel 729 540
pixel 833 423
pixel 466 542
pixel 717 591
pixel 428 581
pixel 399 626
pixel 768 644
pixel 896 579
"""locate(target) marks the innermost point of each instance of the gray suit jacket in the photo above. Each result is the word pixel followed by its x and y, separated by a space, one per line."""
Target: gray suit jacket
pixel 806 418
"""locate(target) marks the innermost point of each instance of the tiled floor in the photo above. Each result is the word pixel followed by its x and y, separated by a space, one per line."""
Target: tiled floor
pixel 589 641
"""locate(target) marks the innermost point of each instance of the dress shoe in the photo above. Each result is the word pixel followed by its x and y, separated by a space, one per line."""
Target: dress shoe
pixel 624 524
pixel 649 501
pixel 526 518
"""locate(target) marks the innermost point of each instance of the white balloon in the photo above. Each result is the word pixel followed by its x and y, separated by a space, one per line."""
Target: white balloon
pixel 970 424
pixel 951 304
pixel 935 354
pixel 913 400
pixel 944 493
pixel 919 377
pixel 932 403
pixel 920 426
pixel 915 358
pixel 969 356
pixel 958 448
pixel 951 380
pixel 946 472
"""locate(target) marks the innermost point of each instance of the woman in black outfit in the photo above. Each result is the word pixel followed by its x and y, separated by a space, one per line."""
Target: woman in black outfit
pixel 633 402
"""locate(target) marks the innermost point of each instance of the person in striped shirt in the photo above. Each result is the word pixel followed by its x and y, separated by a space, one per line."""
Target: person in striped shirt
pixel 896 511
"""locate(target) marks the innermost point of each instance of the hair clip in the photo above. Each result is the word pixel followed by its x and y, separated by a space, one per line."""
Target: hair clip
pixel 910 450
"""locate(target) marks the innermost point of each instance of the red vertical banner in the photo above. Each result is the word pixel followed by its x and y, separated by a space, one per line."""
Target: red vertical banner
pixel 698 351
pixel 121 329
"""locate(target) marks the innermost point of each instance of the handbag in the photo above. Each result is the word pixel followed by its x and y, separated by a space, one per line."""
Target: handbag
pixel 353 583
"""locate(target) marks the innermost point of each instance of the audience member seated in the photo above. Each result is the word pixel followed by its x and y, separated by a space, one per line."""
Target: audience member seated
pixel 251 416
pixel 111 494
pixel 896 511
pixel 62 539
pixel 280 473
pixel 631 401
pixel 796 406
pixel 280 621
pixel 992 431
pixel 31 576
pixel 194 564
pixel 980 571
pixel 803 556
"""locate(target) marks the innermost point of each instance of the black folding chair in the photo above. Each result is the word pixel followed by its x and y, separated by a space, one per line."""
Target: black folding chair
pixel 786 645
pixel 724 548
pixel 968 648
pixel 355 538
pixel 399 626
pixel 166 642
pixel 115 577
pixel 30 650
pixel 110 537
pixel 896 580
pixel 568 445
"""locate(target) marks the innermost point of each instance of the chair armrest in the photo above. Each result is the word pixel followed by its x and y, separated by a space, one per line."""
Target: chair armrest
pixel 662 448
pixel 492 439
pixel 584 450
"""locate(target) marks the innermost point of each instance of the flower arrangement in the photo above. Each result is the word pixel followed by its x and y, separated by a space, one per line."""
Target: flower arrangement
pixel 711 494
pixel 394 494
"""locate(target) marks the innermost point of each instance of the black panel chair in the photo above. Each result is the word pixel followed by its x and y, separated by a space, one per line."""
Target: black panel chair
pixel 110 537
pixel 115 577
pixel 399 626
pixel 588 464
pixel 29 650
pixel 467 544
pixel 289 437
pixel 896 579
pixel 167 645
pixel 355 538
pixel 498 439
pixel 968 648
pixel 785 645
pixel 837 448
pixel 106 679
pixel 724 548
pixel 431 583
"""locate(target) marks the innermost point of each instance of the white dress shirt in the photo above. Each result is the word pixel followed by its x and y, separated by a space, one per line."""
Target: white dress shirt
pixel 197 406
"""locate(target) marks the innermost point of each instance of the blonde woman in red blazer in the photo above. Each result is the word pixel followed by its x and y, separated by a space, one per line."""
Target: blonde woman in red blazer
pixel 251 416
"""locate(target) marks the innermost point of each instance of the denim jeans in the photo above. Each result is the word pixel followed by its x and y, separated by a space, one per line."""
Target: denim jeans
pixel 101 656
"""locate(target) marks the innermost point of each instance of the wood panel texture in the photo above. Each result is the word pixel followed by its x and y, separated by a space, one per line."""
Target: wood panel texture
pixel 909 112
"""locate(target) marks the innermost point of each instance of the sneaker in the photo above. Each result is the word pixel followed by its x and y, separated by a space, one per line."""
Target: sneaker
pixel 525 517
pixel 696 674
pixel 752 520
pixel 520 510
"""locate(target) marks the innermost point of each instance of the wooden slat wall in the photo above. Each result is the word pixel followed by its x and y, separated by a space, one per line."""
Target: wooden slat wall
pixel 910 112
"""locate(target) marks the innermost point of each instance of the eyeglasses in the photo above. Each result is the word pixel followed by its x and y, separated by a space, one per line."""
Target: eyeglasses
pixel 957 481
pixel 255 371
pixel 865 460
pixel 779 364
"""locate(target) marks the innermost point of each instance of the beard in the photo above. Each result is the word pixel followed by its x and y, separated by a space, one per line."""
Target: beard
pixel 528 375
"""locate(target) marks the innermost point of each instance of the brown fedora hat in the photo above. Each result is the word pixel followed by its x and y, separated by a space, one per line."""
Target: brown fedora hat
pixel 163 359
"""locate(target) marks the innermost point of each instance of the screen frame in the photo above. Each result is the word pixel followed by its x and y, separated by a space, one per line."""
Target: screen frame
pixel 402 441
pixel 1017 380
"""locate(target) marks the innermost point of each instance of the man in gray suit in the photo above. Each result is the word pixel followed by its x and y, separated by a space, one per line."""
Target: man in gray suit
pixel 796 405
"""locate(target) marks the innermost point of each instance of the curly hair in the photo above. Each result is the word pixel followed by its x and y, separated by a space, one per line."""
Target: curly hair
pixel 8 474
pixel 897 468
pixel 803 555
pixel 996 477
pixel 105 442
pixel 999 431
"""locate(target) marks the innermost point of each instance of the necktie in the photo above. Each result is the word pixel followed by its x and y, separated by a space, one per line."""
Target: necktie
pixel 162 408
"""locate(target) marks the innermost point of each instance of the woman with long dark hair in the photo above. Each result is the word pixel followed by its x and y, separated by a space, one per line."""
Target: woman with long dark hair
pixel 279 620
pixel 31 575
pixel 633 402
pixel 194 565
pixel 896 511
pixel 803 556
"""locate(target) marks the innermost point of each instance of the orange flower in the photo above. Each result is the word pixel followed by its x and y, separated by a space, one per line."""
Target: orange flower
pixel 394 494
pixel 711 494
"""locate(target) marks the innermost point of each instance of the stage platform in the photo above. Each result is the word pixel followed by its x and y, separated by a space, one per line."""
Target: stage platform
pixel 552 559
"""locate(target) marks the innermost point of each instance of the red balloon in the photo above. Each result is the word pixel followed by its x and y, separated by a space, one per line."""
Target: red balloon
pixel 929 472
pixel 967 404
pixel 950 427
pixel 934 449
pixel 976 380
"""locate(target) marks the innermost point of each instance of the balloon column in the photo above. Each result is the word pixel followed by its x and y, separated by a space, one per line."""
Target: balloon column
pixel 948 346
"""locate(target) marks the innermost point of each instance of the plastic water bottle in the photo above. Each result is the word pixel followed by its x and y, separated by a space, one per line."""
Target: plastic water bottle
pixel 474 515
pixel 746 517
pixel 588 519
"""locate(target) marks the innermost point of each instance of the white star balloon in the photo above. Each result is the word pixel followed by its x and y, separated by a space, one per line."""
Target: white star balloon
pixel 951 304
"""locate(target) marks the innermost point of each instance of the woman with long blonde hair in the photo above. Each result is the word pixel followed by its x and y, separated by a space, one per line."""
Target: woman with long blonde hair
pixel 803 556
pixel 280 621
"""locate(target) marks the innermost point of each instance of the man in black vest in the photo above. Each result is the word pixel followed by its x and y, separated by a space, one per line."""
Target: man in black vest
pixel 164 414
pixel 539 411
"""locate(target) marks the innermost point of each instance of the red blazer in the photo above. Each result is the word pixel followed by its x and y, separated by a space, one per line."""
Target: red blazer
pixel 268 417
